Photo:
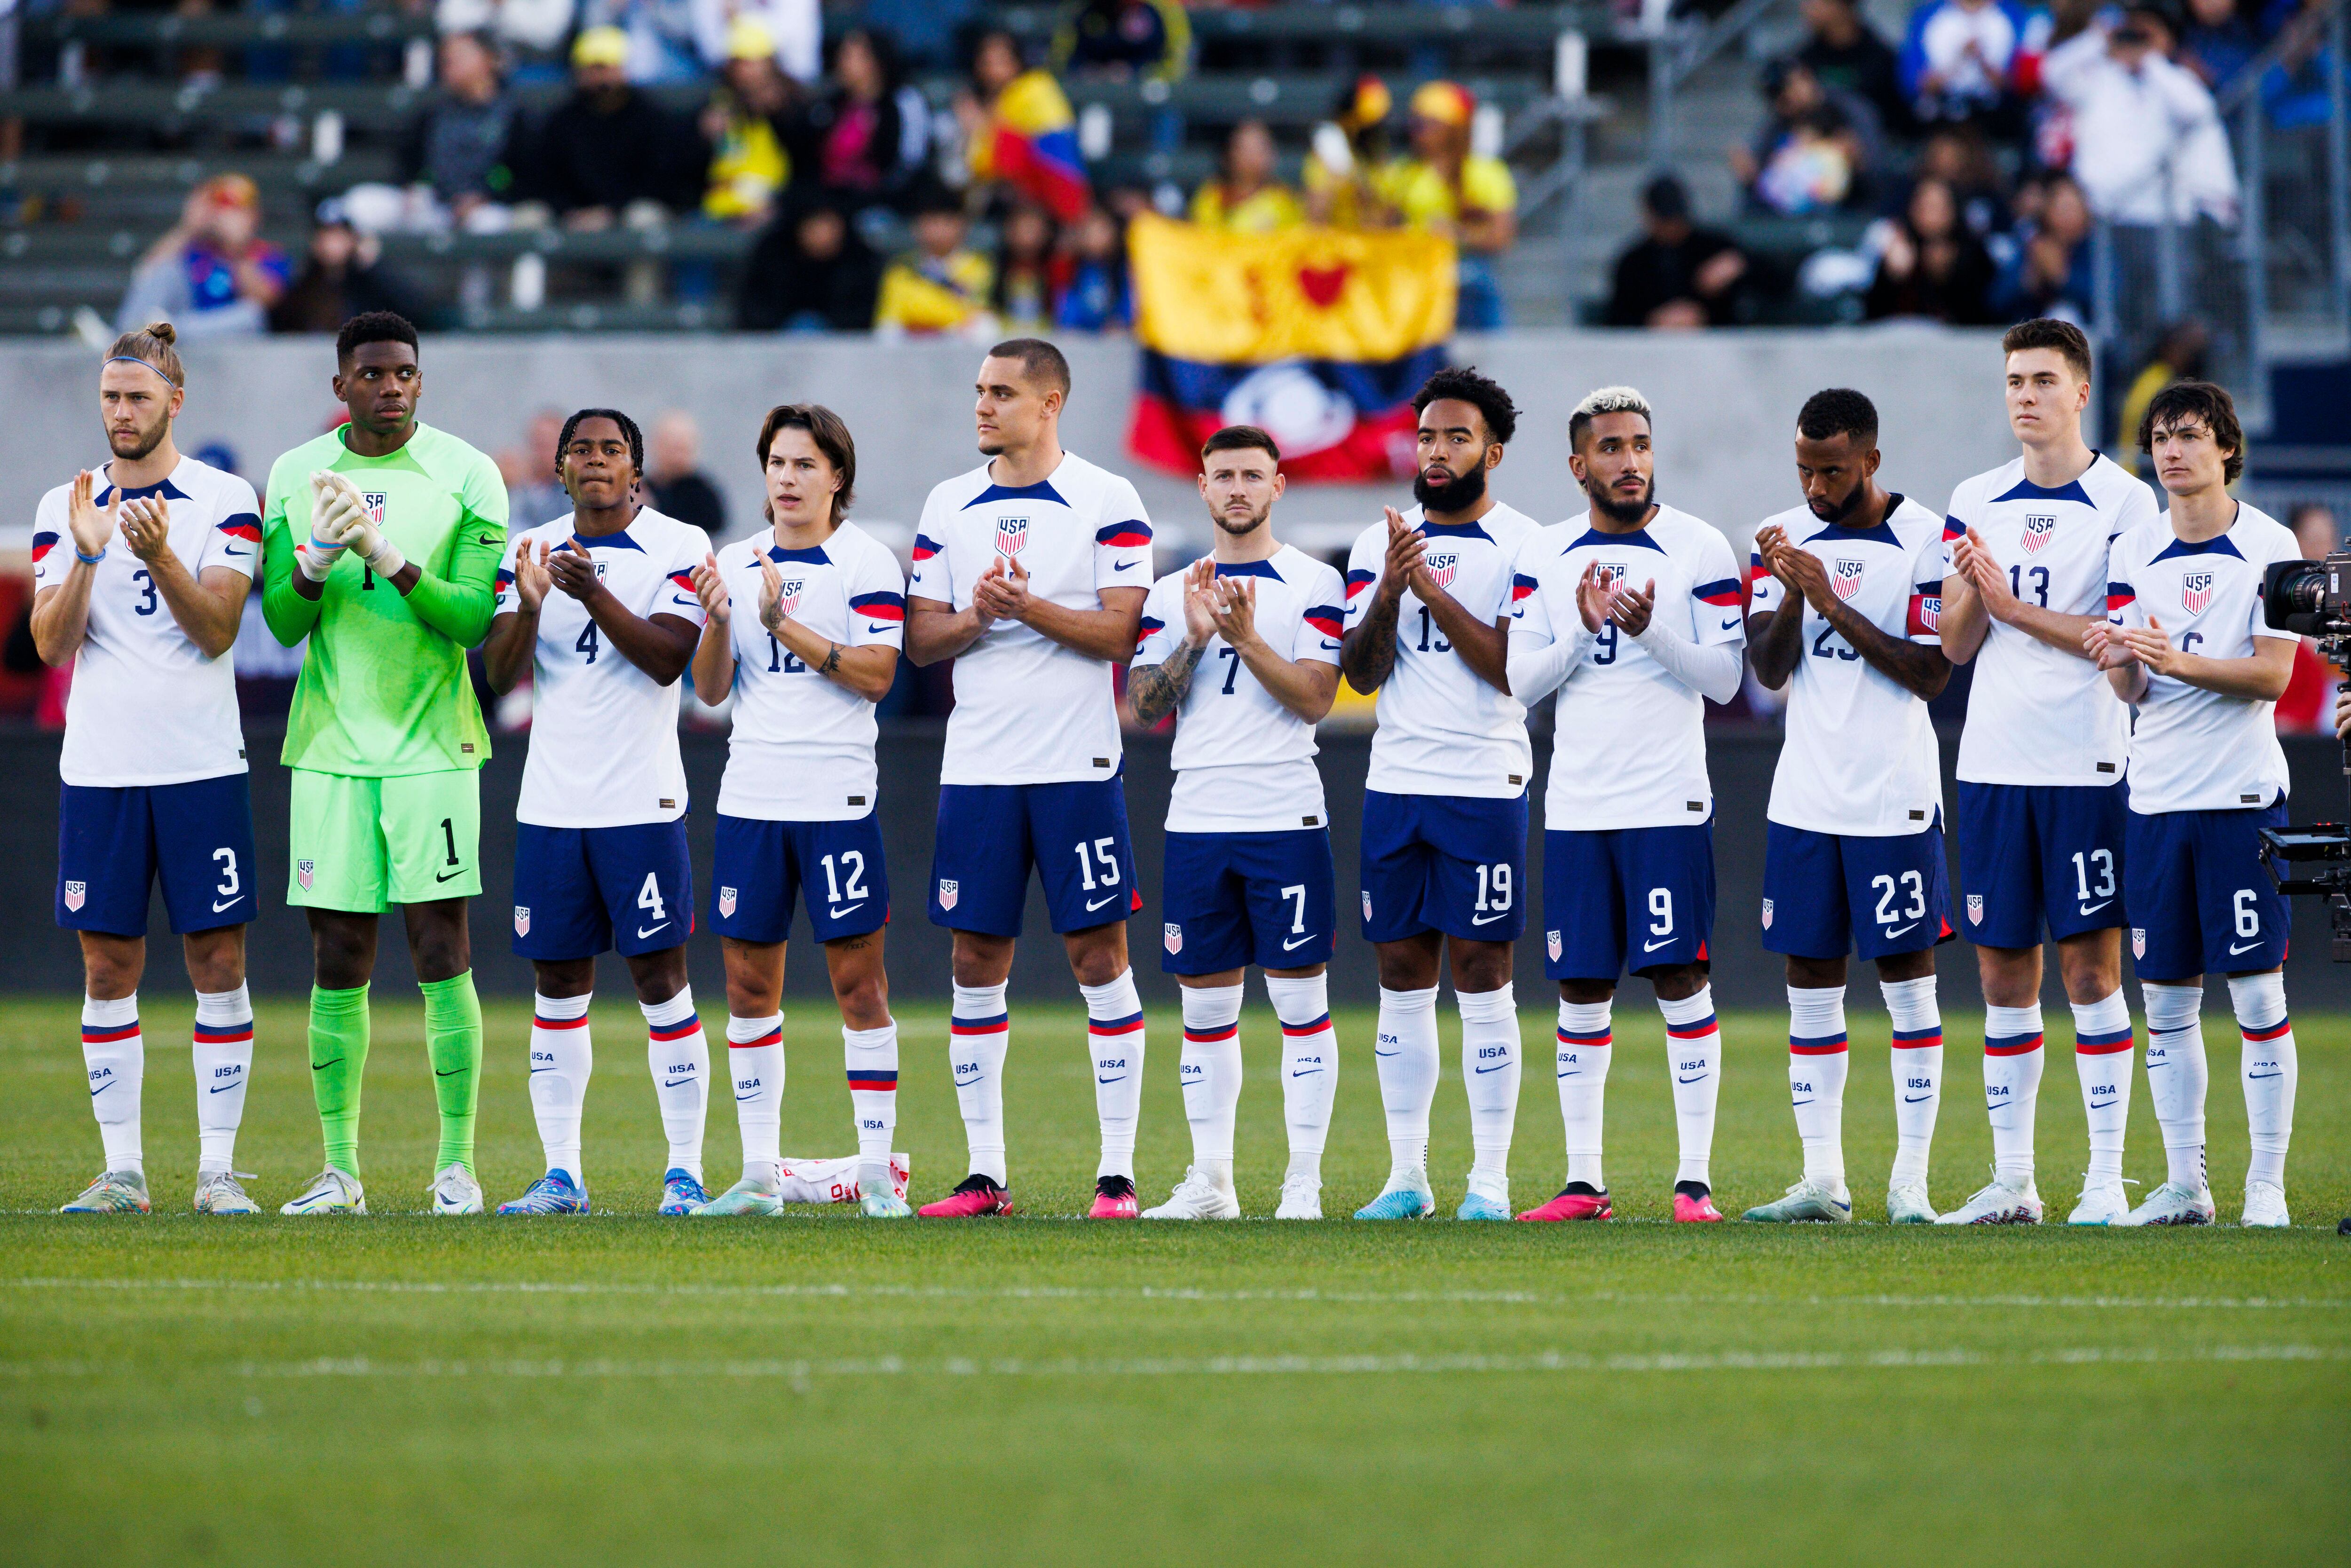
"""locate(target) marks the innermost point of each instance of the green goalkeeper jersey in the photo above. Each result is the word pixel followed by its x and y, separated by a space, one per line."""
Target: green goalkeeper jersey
pixel 384 690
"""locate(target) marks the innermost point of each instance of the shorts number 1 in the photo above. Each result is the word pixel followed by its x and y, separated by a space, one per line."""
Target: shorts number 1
pixel 449 836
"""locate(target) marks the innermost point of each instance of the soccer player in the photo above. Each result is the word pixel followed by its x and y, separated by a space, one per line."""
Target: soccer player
pixel 392 576
pixel 1628 817
pixel 598 605
pixel 1248 875
pixel 1030 572
pixel 154 763
pixel 2186 645
pixel 1445 811
pixel 805 623
pixel 1847 591
pixel 2041 766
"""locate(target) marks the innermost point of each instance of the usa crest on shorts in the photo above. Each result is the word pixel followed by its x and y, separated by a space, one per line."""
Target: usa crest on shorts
pixel 76 894
pixel 1175 937
pixel 2138 941
pixel 303 870
pixel 1767 915
pixel 1551 944
pixel 1975 909
pixel 522 919
pixel 948 888
pixel 726 902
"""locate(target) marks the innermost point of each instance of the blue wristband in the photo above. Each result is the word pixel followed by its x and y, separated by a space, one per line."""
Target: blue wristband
pixel 89 559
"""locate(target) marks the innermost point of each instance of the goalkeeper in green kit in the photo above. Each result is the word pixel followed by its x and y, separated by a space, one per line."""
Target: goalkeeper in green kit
pixel 381 543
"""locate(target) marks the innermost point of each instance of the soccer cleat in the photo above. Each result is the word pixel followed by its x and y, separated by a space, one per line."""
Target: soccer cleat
pixel 1694 1208
pixel 2001 1203
pixel 114 1192
pixel 1411 1201
pixel 332 1192
pixel 1809 1200
pixel 1113 1198
pixel 974 1196
pixel 746 1196
pixel 1570 1204
pixel 222 1192
pixel 454 1191
pixel 2102 1203
pixel 1476 1205
pixel 884 1206
pixel 1301 1198
pixel 554 1193
pixel 2172 1204
pixel 1906 1204
pixel 2265 1206
pixel 682 1192
pixel 1197 1198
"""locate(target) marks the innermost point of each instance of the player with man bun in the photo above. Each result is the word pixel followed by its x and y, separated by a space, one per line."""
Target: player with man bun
pixel 140 575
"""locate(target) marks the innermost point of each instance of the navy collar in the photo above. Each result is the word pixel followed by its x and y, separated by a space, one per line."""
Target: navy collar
pixel 163 488
pixel 1471 530
pixel 1042 490
pixel 2026 490
pixel 1882 534
pixel 1248 569
pixel 2219 544
pixel 812 556
pixel 1637 540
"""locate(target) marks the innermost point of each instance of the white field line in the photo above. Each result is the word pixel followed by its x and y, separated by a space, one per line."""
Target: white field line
pixel 857 1290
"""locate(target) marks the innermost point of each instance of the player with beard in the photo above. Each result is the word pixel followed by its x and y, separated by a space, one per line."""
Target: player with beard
pixel 1445 811
pixel 1847 593
pixel 1628 837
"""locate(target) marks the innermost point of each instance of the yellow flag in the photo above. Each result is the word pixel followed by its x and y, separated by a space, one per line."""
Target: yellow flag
pixel 1212 296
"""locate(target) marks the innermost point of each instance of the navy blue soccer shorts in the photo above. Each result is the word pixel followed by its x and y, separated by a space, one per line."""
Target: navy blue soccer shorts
pixel 2200 902
pixel 195 838
pixel 1620 898
pixel 1235 899
pixel 579 892
pixel 761 867
pixel 1073 833
pixel 1826 893
pixel 1454 863
pixel 2040 854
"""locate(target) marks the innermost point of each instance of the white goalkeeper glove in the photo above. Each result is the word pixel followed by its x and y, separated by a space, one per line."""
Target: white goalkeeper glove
pixel 343 521
pixel 329 494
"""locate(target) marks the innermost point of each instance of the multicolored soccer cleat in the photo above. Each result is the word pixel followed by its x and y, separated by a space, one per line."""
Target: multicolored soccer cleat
pixel 554 1193
pixel 976 1195
pixel 884 1206
pixel 1574 1205
pixel 1810 1201
pixel 746 1196
pixel 682 1192
pixel 114 1192
pixel 2172 1204
pixel 331 1192
pixel 1476 1205
pixel 2005 1203
pixel 222 1192
pixel 1114 1199
pixel 1695 1208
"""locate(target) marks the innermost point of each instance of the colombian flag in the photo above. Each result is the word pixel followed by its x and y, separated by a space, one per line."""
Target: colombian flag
pixel 1320 336
pixel 1031 144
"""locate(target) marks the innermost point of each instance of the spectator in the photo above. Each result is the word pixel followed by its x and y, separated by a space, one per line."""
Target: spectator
pixel 211 274
pixel 1121 40
pixel 795 30
pixel 673 474
pixel 743 128
pixel 927 33
pixel 1812 149
pixel 608 153
pixel 2303 708
pixel 1928 264
pixel 1099 297
pixel 2148 146
pixel 1961 157
pixel 1677 275
pixel 2220 41
pixel 458 161
pixel 1031 275
pixel 533 496
pixel 866 141
pixel 1972 60
pixel 1245 196
pixel 2179 356
pixel 1020 138
pixel 939 286
pixel 810 272
pixel 1349 156
pixel 1847 55
pixel 342 278
pixel 2050 275
pixel 660 41
pixel 1467 196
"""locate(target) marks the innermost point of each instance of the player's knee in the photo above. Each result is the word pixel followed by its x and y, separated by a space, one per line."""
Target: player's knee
pixel 864 1000
pixel 1480 967
pixel 216 960
pixel 1804 974
pixel 111 970
pixel 1096 963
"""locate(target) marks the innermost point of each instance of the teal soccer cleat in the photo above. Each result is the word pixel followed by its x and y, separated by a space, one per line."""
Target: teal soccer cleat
pixel 1405 1202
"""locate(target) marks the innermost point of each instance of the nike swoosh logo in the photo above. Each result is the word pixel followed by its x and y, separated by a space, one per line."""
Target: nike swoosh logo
pixel 1800 1102
pixel 233 552
pixel 536 1070
pixel 1312 1070
pixel 2093 908
pixel 220 905
pixel 1488 919
pixel 967 1082
pixel 2235 947
pixel 1578 1073
pixel 1700 1078
pixel 1094 903
pixel 1122 566
pixel 646 931
pixel 1730 625
pixel 833 913
pixel 1377 1052
pixel 1329 647
pixel 673 1082
pixel 1646 947
pixel 740 1098
pixel 222 1088
pixel 689 603
pixel 488 540
pixel 1915 1099
pixel 1302 942
pixel 322 1066
pixel 1902 931
pixel 1496 1068
pixel 1120 1078
pixel 2278 1074
pixel 450 1073
pixel 102 1088
pixel 871 627
pixel 446 875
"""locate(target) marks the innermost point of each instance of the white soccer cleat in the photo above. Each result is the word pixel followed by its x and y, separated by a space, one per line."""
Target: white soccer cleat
pixel 1301 1198
pixel 2102 1203
pixel 333 1192
pixel 2172 1204
pixel 222 1192
pixel 1197 1198
pixel 454 1191
pixel 1906 1204
pixel 2265 1206
pixel 2001 1203
pixel 1809 1200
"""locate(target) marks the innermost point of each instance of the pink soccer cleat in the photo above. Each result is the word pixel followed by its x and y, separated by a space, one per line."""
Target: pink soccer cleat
pixel 1114 1199
pixel 1572 1205
pixel 1696 1208
pixel 974 1197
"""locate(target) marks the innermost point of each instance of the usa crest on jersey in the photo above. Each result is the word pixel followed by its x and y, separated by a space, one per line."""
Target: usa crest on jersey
pixel 788 599
pixel 2195 592
pixel 1846 577
pixel 372 503
pixel 1610 573
pixel 2039 529
pixel 1012 536
pixel 1441 565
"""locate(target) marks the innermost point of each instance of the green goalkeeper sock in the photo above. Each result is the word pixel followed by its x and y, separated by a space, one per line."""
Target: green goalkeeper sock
pixel 452 1039
pixel 339 1048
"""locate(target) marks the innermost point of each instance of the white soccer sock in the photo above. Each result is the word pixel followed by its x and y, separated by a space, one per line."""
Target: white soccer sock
pixel 1694 1053
pixel 1491 1061
pixel 2177 1077
pixel 1115 1031
pixel 1916 1060
pixel 561 1059
pixel 677 1049
pixel 116 1055
pixel 2270 1067
pixel 1210 1070
pixel 754 1056
pixel 979 1030
pixel 223 1055
pixel 1818 1058
pixel 1586 1045
pixel 2013 1062
pixel 872 1055
pixel 2102 1058
pixel 1309 1065
pixel 1406 1055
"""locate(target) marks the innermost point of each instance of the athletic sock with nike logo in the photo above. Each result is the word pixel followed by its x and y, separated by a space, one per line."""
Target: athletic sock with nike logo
pixel 1916 1064
pixel 677 1052
pixel 2101 1061
pixel 2269 1068
pixel 338 1053
pixel 1492 1062
pixel 114 1053
pixel 562 1059
pixel 222 1053
pixel 1309 1065
pixel 1114 1030
pixel 1694 1053
pixel 452 1039
pixel 1818 1058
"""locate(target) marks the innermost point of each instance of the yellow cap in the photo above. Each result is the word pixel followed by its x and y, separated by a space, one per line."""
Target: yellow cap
pixel 601 47
pixel 1444 102
pixel 1371 104
pixel 747 38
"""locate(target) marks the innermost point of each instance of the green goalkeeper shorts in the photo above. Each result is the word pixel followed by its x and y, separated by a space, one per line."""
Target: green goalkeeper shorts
pixel 358 844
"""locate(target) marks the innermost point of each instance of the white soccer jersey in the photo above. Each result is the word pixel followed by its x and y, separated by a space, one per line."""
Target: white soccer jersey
pixel 1859 756
pixel 1629 739
pixel 2035 715
pixel 147 706
pixel 2192 749
pixel 1244 763
pixel 603 734
pixel 802 748
pixel 1443 730
pixel 1027 710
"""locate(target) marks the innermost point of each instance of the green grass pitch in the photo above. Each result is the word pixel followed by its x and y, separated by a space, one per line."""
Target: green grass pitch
pixel 824 1390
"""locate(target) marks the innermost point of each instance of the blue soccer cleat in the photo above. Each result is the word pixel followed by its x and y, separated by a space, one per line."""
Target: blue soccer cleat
pixel 680 1193
pixel 554 1193
pixel 1478 1205
pixel 1405 1202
